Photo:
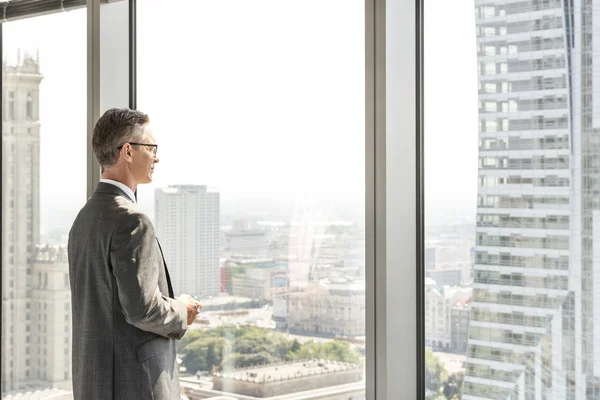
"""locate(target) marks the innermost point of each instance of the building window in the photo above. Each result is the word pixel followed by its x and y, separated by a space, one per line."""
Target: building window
pixel 29 107
pixel 11 107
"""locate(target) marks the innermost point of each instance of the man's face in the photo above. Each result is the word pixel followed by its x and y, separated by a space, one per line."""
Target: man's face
pixel 144 158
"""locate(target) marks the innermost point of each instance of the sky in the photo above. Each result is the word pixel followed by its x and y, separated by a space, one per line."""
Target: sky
pixel 261 100
pixel 451 109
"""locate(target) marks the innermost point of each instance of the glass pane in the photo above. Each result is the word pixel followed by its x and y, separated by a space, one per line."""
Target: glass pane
pixel 43 188
pixel 258 199
pixel 513 226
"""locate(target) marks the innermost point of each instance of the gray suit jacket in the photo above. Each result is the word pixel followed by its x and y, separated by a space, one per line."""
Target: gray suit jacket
pixel 124 317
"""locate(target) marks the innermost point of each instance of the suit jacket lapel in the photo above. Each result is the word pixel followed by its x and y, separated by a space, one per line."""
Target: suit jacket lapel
pixel 171 294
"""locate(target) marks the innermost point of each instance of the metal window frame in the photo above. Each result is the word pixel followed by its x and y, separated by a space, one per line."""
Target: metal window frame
pixel 111 67
pixel 394 200
pixel 1 173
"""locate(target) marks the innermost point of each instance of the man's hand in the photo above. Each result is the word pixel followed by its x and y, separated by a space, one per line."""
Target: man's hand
pixel 193 307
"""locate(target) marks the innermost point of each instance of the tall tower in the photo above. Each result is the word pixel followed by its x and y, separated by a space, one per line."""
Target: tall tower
pixel 534 330
pixel 20 214
pixel 187 226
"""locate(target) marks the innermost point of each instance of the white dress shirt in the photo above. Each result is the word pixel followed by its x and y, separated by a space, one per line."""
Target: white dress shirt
pixel 121 186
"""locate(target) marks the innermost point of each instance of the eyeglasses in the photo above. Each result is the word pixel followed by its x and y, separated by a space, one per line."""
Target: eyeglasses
pixel 153 146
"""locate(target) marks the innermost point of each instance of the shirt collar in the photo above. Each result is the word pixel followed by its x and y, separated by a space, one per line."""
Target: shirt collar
pixel 121 186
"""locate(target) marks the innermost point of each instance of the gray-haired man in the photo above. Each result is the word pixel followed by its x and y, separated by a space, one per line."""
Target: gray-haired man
pixel 125 318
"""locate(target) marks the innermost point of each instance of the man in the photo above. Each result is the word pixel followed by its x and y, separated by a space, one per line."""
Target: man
pixel 125 319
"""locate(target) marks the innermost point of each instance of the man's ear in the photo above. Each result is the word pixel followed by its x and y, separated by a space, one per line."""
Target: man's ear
pixel 127 152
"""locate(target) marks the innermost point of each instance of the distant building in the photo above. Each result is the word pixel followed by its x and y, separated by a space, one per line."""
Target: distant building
pixel 225 274
pixel 256 281
pixel 49 356
pixel 282 379
pixel 328 308
pixel 20 216
pixel 187 225
pixel 459 326
pixel 439 302
pixel 430 253
pixel 445 277
pixel 467 273
pixel 245 244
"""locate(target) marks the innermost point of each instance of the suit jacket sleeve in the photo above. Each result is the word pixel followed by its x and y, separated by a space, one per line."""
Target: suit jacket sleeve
pixel 134 258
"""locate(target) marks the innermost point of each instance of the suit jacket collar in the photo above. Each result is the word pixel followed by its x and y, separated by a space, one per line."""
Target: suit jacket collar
pixel 107 188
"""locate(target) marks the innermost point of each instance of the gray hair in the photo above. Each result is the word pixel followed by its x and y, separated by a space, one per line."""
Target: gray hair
pixel 116 127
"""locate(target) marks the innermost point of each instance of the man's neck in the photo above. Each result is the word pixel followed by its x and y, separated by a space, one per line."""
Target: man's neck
pixel 116 177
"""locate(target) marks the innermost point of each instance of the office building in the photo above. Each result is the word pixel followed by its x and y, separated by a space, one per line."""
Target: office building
pixel 187 226
pixel 534 327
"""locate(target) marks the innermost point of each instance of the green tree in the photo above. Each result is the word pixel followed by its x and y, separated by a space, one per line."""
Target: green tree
pixel 249 346
pixel 435 372
pixel 452 386
pixel 239 360
pixel 340 351
pixel 204 354
pixel 295 346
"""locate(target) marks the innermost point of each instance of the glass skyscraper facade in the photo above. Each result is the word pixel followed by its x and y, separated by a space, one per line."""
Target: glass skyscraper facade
pixel 534 330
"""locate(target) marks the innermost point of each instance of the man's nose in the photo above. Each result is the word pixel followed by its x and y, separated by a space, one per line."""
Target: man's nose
pixel 156 159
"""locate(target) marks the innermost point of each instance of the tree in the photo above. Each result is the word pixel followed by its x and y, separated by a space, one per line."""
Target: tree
pixel 451 387
pixel 204 354
pixel 295 346
pixel 248 346
pixel 248 360
pixel 435 372
pixel 340 351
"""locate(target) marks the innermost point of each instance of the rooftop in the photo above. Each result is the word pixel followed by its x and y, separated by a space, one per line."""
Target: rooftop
pixel 286 371
pixel 174 189
pixel 43 394
pixel 24 65
pixel 51 254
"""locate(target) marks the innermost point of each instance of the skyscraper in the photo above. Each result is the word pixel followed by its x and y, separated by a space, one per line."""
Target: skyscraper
pixel 187 226
pixel 20 215
pixel 535 318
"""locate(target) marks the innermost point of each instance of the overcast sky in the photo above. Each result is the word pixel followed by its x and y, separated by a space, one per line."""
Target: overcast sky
pixel 259 99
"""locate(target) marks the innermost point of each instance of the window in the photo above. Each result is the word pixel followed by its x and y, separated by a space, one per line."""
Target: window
pixel 490 88
pixel 29 107
pixel 490 50
pixel 44 82
pixel 489 31
pixel 514 237
pixel 489 69
pixel 11 107
pixel 490 126
pixel 289 204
